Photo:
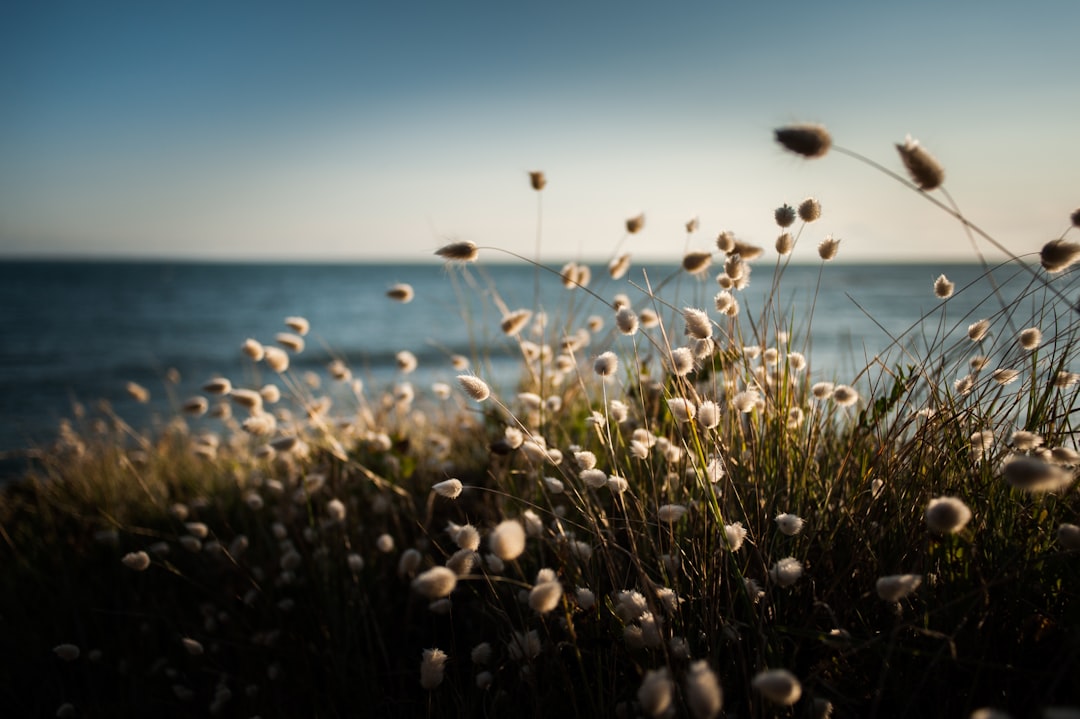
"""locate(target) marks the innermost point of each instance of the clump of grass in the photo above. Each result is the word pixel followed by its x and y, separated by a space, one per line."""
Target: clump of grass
pixel 669 513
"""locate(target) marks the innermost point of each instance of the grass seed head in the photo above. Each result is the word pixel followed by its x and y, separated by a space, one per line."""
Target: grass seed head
pixel 926 172
pixel 778 686
pixel 895 587
pixel 435 583
pixel 828 248
pixel 809 210
pixel 785 243
pixel 704 697
pixel 432 668
pixel 1030 338
pixel 476 388
pixel 943 288
pixel 537 180
pixel 463 251
pixel 606 364
pixel 619 266
pixel 507 540
pixel 785 215
pixel 947 515
pixel 299 325
pixel 401 292
pixel 290 341
pixel 805 139
pixel 136 561
pixel 696 262
pixel 786 571
pixel 634 224
pixel 1068 536
pixel 656 692
pixel 545 596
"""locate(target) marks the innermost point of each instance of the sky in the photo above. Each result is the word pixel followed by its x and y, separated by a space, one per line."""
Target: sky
pixel 266 131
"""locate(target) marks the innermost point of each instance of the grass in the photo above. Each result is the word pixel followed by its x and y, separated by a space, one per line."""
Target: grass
pixel 695 511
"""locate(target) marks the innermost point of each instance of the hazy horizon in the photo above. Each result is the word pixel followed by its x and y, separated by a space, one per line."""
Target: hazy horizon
pixel 349 132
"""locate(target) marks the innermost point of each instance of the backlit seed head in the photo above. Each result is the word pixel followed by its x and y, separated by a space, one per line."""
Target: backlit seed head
pixel 475 387
pixel 218 385
pixel 671 513
pixel 450 488
pixel 139 393
pixel 778 686
pixel 789 524
pixel 1058 255
pixel 537 180
pixel 806 139
pixel 698 325
pixel 947 515
pixel 895 587
pixel 137 561
pixel 725 242
pixel 299 325
pixel 656 692
pixel 704 697
pixel 943 288
pixel 1004 376
pixel 463 251
pixel 786 571
pixel 785 215
pixel 696 262
pixel 619 266
pixel 432 668
pixel 401 292
pixel 809 210
pixel 1034 475
pixel 627 321
pixel 253 349
pixel 545 596
pixel 747 252
pixel 290 341
pixel 735 534
pixel 692 225
pixel 925 170
pixel 435 583
pixel 828 248
pixel 844 396
pixel 507 540
pixel 406 361
pixel 515 321
pixel 606 364
pixel 1030 338
pixel 634 224
pixel 977 330
pixel 192 646
pixel 683 410
pixel 785 243
pixel 708 414
pixel 277 359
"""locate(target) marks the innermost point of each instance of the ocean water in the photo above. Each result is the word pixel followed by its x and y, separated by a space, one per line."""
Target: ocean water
pixel 79 331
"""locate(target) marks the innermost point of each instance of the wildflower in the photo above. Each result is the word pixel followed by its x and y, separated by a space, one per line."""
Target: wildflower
pixel 545 596
pixel 696 262
pixel 450 488
pixel 805 139
pixel 828 247
pixel 789 524
pixel 634 224
pixel 785 215
pixel 845 396
pixel 1005 376
pixel 619 266
pixel 432 668
pixel 682 410
pixel 895 587
pixel 708 414
pixel 276 359
pixel 735 534
pixel 606 364
pixel 1032 474
pixel 924 169
pixel 809 210
pixel 778 686
pixel 435 583
pixel 1068 536
pixel 537 180
pixel 1030 338
pixel 947 515
pixel 137 561
pixel 786 571
pixel 671 513
pixel 656 692
pixel 475 387
pixel 698 325
pixel 401 292
pixel 463 251
pixel 67 652
pixel 785 243
pixel 1058 255
pixel 943 288
pixel 507 540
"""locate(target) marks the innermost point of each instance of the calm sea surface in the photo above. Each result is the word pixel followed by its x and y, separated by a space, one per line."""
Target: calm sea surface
pixel 79 331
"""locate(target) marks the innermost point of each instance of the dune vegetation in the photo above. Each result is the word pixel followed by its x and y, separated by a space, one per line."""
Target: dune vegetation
pixel 668 515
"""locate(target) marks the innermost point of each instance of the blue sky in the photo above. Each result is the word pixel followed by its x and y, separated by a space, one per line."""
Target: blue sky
pixel 333 130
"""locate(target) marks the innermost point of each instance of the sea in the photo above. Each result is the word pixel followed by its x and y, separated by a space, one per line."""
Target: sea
pixel 76 333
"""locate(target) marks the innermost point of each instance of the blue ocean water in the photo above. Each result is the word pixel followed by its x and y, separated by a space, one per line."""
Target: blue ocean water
pixel 80 331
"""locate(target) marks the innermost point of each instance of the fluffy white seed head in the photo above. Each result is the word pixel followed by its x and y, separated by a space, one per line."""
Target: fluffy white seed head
pixel 1030 338
pixel 432 668
pixel 786 571
pixel 507 540
pixel 778 686
pixel 656 692
pixel 606 364
pixel 704 697
pixel 943 288
pixel 136 561
pixel 789 524
pixel 947 515
pixel 545 596
pixel 828 248
pixel 449 488
pixel 401 292
pixel 474 387
pixel 435 583
pixel 894 587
